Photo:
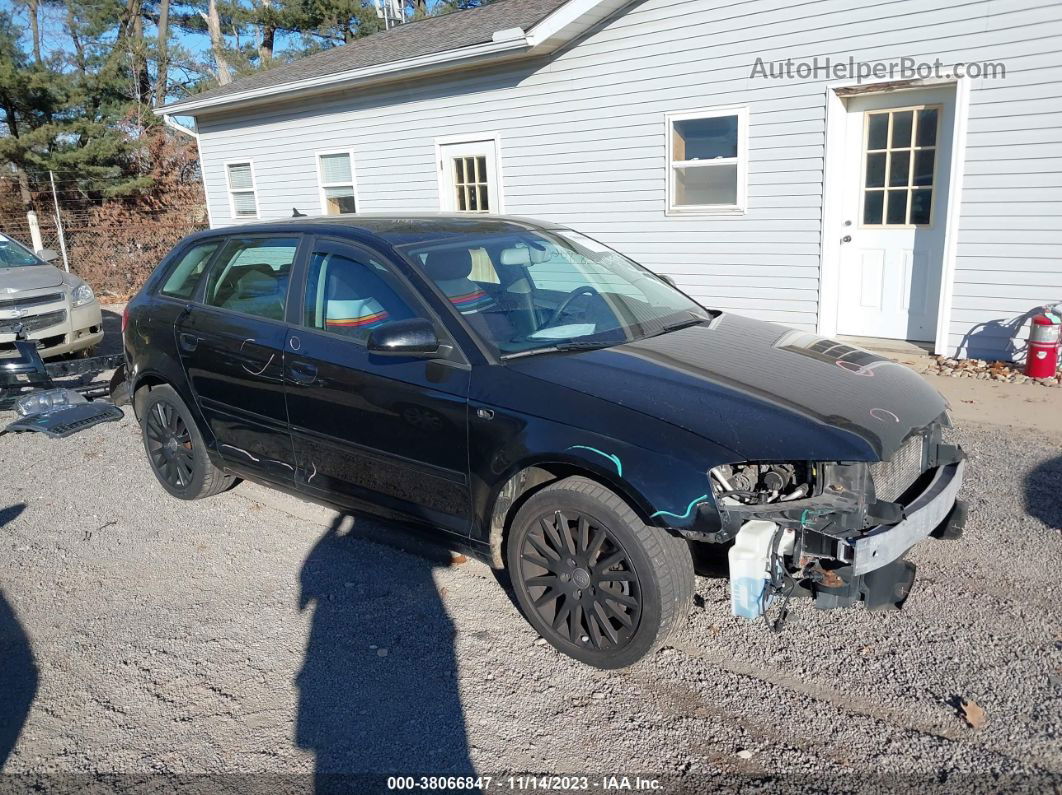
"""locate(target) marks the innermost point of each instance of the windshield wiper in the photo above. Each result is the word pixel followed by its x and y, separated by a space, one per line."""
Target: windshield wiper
pixel 574 345
pixel 679 324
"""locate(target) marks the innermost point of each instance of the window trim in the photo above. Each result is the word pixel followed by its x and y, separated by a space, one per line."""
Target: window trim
pixel 740 207
pixel 321 185
pixel 253 191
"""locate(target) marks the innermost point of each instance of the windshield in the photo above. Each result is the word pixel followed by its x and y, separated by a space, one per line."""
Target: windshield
pixel 15 255
pixel 544 290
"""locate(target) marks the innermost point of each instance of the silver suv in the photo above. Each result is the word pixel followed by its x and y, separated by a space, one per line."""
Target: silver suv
pixel 56 309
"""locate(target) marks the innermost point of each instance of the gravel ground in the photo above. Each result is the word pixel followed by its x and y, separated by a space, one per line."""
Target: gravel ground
pixel 254 633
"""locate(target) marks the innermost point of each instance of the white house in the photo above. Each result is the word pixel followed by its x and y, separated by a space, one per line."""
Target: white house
pixel 873 168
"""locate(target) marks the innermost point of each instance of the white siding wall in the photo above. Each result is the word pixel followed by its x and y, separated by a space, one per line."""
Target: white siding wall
pixel 583 143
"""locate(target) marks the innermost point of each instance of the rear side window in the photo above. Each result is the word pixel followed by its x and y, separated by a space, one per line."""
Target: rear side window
pixel 185 276
pixel 351 297
pixel 251 276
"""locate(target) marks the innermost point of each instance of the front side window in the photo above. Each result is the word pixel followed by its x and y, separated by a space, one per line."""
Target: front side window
pixel 707 161
pixel 242 198
pixel 251 276
pixel 351 294
pixel 336 176
pixel 15 255
pixel 185 276
pixel 554 288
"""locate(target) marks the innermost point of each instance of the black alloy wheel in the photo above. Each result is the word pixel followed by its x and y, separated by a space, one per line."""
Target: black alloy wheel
pixel 175 447
pixel 581 581
pixel 169 443
pixel 592 578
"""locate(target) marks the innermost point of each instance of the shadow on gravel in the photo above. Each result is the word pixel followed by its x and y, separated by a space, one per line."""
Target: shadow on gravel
pixel 1042 498
pixel 378 688
pixel 18 671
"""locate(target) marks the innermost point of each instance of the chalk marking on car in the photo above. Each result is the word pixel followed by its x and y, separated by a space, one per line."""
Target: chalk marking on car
pixel 614 459
pixel 689 509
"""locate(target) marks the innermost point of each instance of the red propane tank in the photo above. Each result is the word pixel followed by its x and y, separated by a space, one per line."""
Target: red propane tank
pixel 1042 359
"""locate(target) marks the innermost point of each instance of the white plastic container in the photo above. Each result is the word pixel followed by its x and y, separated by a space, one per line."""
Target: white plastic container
pixel 750 560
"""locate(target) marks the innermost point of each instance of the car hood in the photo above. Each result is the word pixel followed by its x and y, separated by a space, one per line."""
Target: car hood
pixel 33 277
pixel 762 390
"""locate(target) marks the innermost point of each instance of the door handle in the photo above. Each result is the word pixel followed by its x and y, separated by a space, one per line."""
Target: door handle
pixel 189 342
pixel 846 239
pixel 303 373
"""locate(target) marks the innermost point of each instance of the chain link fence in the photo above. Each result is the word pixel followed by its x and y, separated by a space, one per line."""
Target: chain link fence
pixel 114 248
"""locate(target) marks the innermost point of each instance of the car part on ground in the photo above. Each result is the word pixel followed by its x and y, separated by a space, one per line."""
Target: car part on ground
pixel 28 372
pixel 58 423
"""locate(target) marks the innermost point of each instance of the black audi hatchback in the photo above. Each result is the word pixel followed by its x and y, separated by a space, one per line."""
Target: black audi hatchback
pixel 545 404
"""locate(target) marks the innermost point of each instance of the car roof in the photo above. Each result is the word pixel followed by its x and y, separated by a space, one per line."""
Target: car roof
pixel 396 230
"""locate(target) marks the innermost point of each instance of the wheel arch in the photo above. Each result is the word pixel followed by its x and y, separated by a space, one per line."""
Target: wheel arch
pixel 531 477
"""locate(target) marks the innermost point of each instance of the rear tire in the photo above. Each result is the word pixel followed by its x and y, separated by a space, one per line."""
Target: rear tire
pixel 175 447
pixel 595 581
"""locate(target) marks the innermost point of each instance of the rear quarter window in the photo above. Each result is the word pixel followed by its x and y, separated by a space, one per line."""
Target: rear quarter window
pixel 185 275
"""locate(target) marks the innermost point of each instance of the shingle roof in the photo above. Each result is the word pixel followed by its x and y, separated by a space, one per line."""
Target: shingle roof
pixel 423 37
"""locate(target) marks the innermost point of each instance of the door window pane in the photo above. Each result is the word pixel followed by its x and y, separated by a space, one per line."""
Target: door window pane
pixel 185 276
pixel 251 276
pixel 350 297
pixel 923 171
pixel 876 170
pixel 899 169
pixel 896 208
pixel 873 207
pixel 921 205
pixel 900 155
pixel 902 122
pixel 878 131
pixel 927 127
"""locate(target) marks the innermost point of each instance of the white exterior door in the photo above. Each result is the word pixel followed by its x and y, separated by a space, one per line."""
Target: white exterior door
pixel 897 156
pixel 469 177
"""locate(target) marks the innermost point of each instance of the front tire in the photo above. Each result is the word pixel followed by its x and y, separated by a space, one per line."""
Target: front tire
pixel 175 447
pixel 594 580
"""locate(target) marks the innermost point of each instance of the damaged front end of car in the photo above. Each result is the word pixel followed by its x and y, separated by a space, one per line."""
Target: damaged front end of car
pixel 835 531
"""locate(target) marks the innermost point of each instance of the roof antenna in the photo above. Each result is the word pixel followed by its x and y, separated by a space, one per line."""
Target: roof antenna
pixel 296 214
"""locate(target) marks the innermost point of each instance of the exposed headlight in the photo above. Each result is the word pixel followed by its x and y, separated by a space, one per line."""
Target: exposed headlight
pixel 82 294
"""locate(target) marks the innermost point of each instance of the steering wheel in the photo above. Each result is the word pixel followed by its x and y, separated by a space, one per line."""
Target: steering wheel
pixel 585 289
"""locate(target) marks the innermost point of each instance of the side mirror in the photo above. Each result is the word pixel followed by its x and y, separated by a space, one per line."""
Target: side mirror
pixel 48 254
pixel 414 337
pixel 667 279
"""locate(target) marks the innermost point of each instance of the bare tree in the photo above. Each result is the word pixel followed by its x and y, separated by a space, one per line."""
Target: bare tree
pixel 269 32
pixel 217 42
pixel 162 78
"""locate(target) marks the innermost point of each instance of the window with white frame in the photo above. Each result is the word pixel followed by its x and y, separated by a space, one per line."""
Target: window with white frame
pixel 707 161
pixel 242 198
pixel 335 172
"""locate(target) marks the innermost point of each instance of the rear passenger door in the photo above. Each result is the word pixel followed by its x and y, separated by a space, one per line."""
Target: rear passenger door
pixel 231 343
pixel 382 434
